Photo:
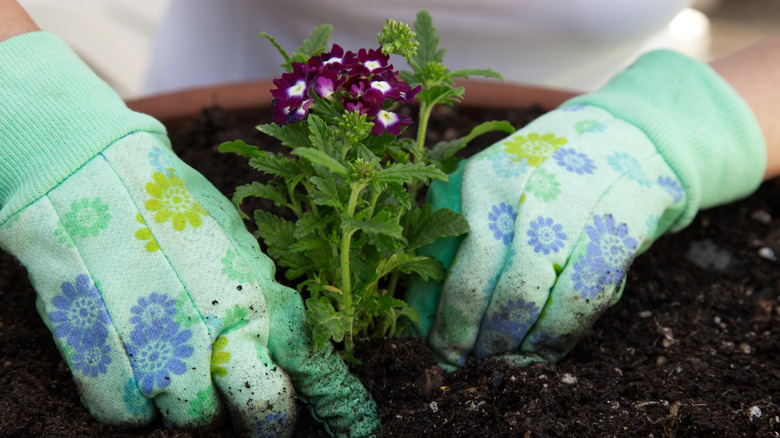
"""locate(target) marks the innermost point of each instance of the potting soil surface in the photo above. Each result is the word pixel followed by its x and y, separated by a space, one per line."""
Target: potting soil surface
pixel 691 350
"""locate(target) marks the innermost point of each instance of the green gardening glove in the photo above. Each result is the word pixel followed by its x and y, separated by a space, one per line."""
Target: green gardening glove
pixel 560 209
pixel 157 296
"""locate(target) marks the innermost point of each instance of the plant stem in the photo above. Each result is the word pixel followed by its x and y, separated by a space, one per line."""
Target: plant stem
pixel 346 240
pixel 346 283
pixel 425 114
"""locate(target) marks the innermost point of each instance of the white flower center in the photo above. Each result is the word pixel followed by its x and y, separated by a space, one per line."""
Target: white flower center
pixel 297 89
pixel 372 65
pixel 387 118
pixel 382 86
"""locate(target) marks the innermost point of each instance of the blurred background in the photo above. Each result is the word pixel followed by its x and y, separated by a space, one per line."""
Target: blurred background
pixel 115 36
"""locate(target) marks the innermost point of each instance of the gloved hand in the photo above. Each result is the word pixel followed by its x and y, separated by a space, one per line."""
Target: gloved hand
pixel 157 296
pixel 559 210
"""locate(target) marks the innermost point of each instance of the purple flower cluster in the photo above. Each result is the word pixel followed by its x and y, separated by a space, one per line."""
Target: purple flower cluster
pixel 362 81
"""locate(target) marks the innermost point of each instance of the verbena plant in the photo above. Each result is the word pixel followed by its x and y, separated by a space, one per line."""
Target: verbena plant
pixel 351 179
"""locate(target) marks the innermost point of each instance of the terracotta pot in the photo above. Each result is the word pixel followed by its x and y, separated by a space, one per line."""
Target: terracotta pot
pixel 174 108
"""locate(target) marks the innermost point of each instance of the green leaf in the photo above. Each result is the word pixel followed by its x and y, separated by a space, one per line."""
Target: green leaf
pixel 315 44
pixel 304 245
pixel 275 164
pixel 382 223
pixel 428 225
pixel 322 138
pixel 287 60
pixel 409 172
pixel 379 305
pixel 272 192
pixel 325 191
pixel 292 135
pixel 446 149
pixel 486 127
pixel 309 224
pixel 240 147
pixel 441 94
pixel 484 72
pixel 278 236
pixel 428 48
pixel 399 194
pixel 326 323
pixel 319 157
pixel 428 268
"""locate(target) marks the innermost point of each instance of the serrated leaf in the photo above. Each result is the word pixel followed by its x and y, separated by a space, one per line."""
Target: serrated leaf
pixel 319 157
pixel 274 193
pixel 239 147
pixel 402 173
pixel 287 60
pixel 278 235
pixel 275 164
pixel 378 305
pixel 446 149
pixel 399 194
pixel 428 225
pixel 292 135
pixel 378 143
pixel 304 245
pixel 325 191
pixel 428 268
pixel 322 138
pixel 390 264
pixel 441 94
pixel 325 322
pixel 428 49
pixel 486 127
pixel 484 72
pixel 315 44
pixel 381 223
pixel 309 224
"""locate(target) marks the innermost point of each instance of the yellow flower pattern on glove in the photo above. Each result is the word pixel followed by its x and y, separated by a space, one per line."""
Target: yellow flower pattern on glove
pixel 219 357
pixel 172 201
pixel 145 234
pixel 534 148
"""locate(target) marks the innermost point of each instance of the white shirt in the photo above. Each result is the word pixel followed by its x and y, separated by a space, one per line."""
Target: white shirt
pixel 570 44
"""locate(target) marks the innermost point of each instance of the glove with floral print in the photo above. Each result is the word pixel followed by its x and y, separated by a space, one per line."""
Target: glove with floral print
pixel 157 296
pixel 559 209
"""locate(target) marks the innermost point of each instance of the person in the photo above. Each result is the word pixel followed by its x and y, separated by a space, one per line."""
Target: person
pixel 576 47
pixel 557 210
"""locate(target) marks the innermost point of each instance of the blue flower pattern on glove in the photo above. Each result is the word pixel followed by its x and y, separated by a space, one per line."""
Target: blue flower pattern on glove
pixel 507 327
pixel 152 314
pixel 502 222
pixel 81 321
pixel 506 167
pixel 273 425
pixel 672 187
pixel 545 235
pixel 157 346
pixel 160 161
pixel 607 257
pixel 574 161
pixel 626 164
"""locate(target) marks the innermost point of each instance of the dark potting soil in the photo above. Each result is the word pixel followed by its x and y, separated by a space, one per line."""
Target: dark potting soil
pixel 691 350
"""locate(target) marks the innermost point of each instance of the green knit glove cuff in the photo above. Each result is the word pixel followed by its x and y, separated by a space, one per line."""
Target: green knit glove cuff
pixel 47 98
pixel 705 131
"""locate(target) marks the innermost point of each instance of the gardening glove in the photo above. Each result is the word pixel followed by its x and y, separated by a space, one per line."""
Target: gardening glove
pixel 559 210
pixel 157 296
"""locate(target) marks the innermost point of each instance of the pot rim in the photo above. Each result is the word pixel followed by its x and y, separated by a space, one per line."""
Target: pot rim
pixel 236 97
